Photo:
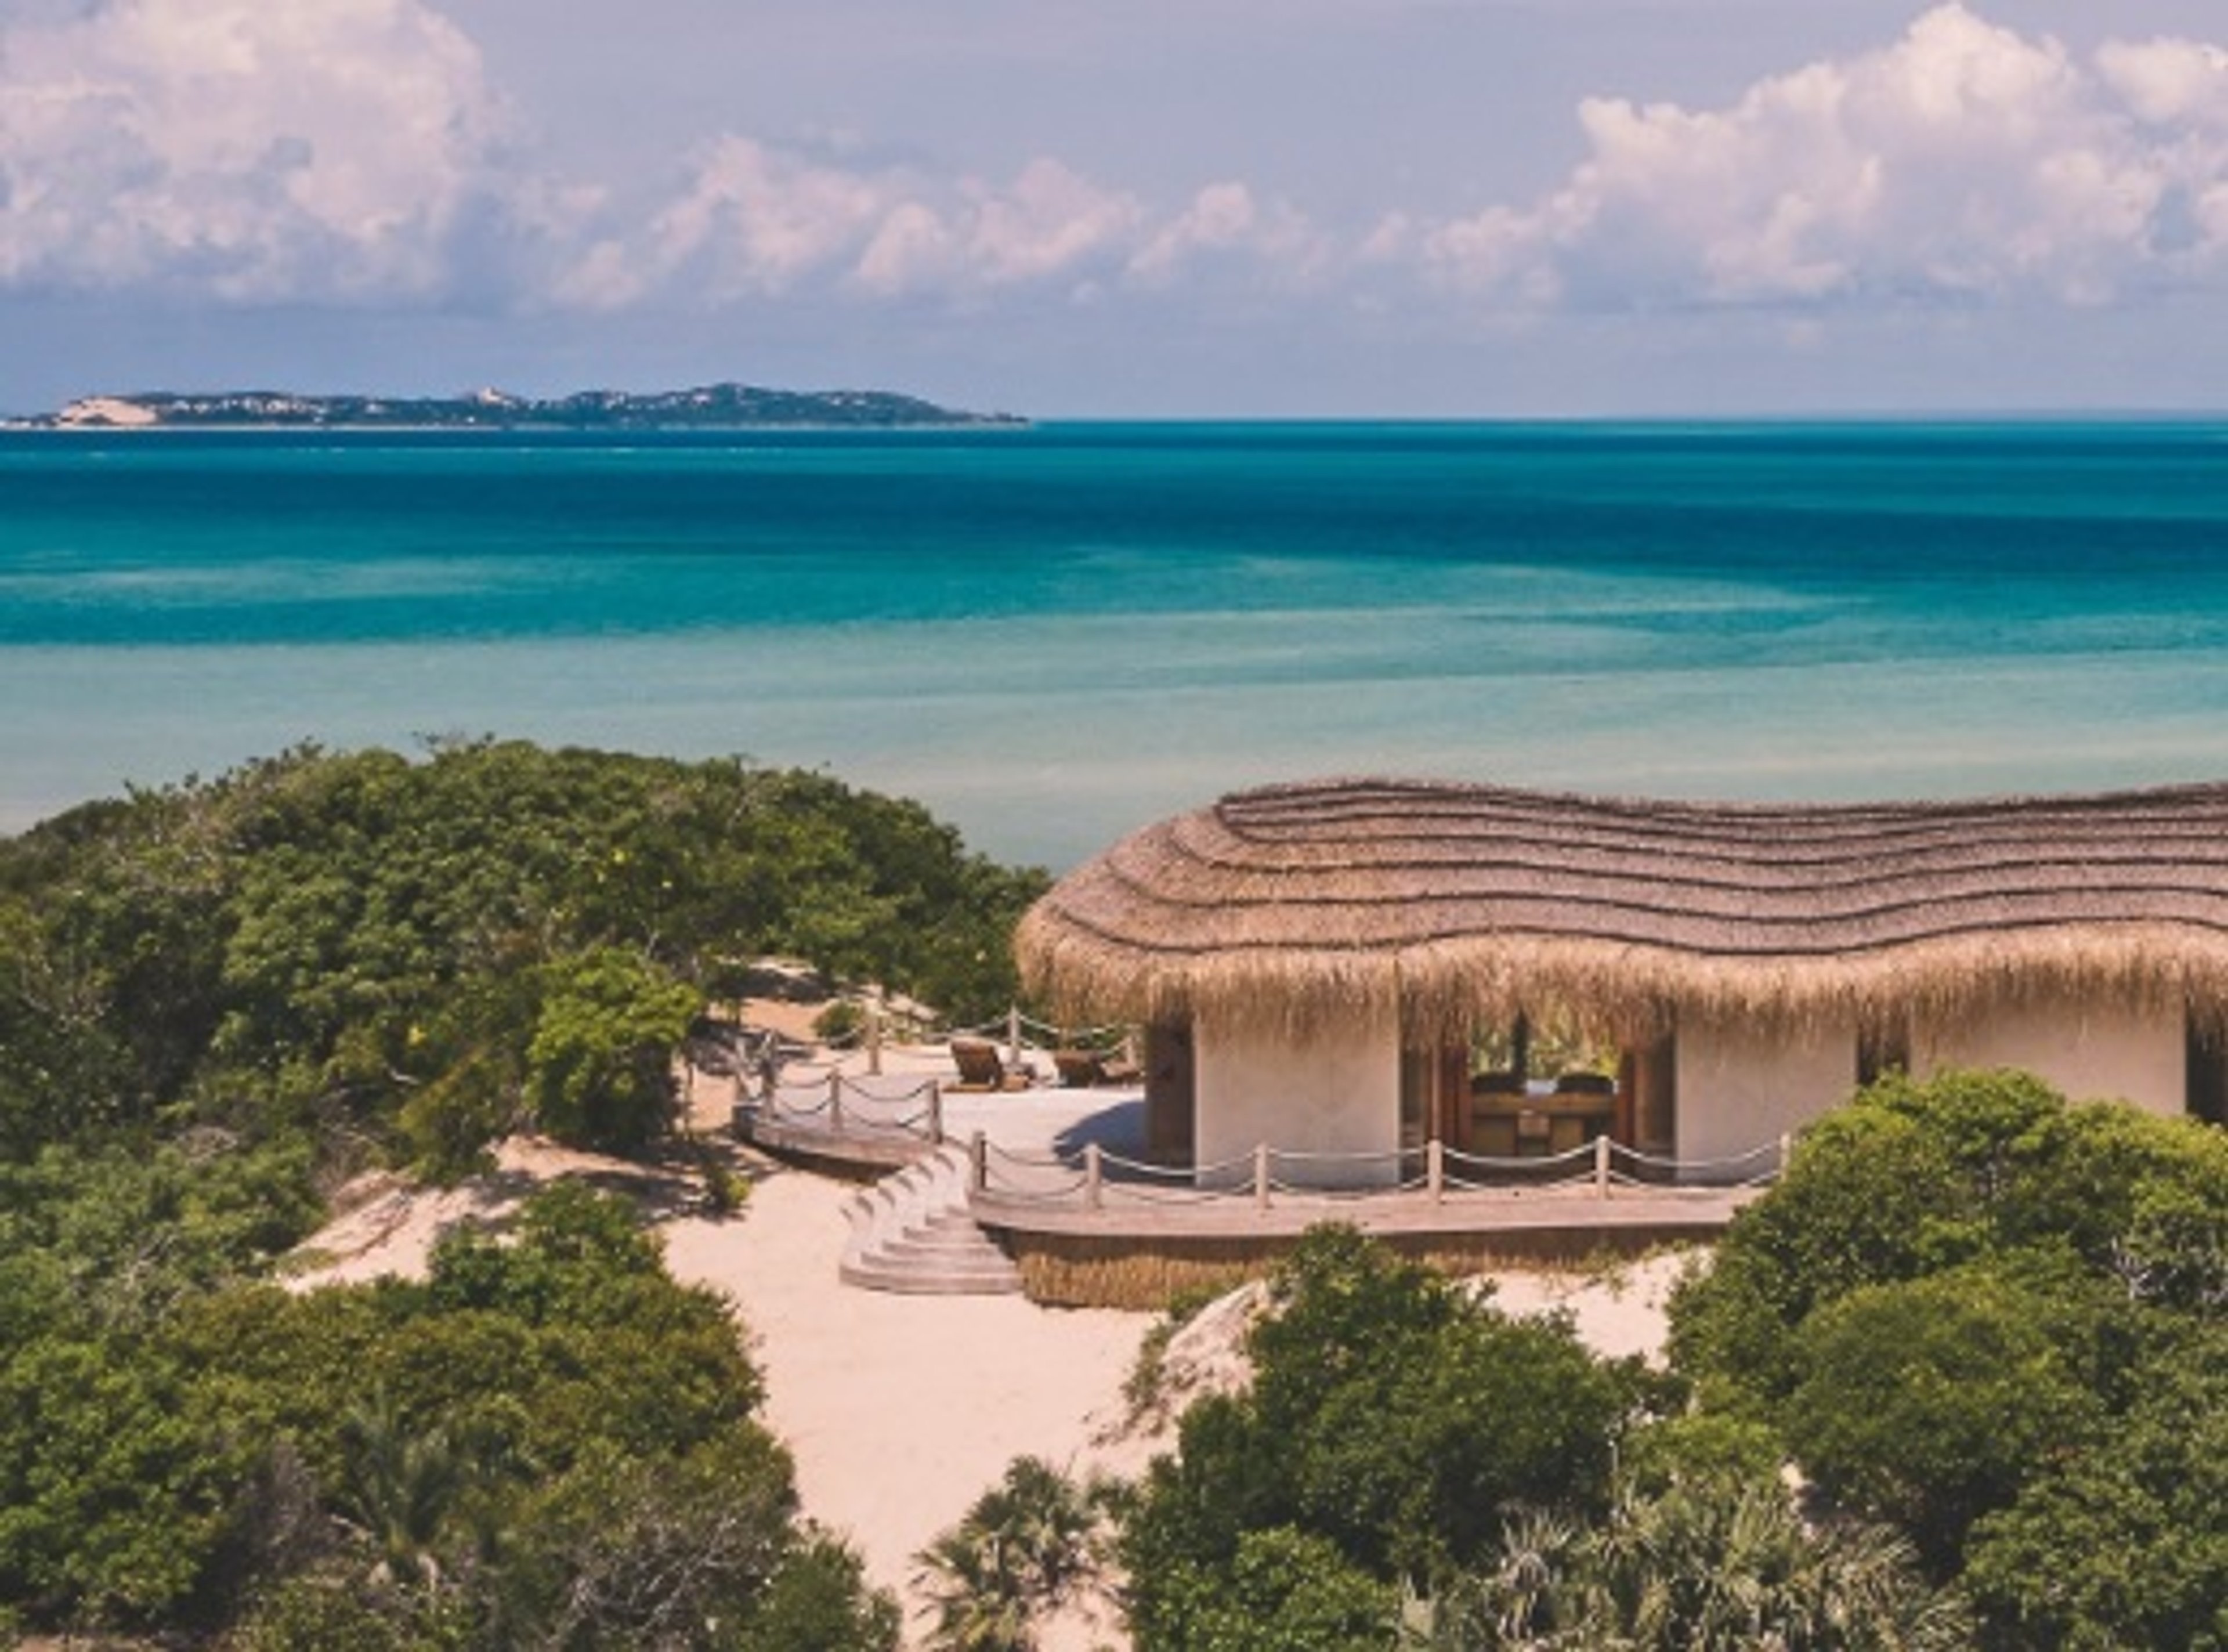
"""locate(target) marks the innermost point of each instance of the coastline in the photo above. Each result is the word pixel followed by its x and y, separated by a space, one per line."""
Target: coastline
pixel 162 428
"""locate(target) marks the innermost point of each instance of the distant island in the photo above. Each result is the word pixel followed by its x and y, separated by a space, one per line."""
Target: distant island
pixel 714 407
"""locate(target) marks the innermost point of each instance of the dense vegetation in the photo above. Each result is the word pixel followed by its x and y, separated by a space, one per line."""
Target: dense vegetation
pixel 1999 1323
pixel 430 952
pixel 217 998
pixel 1413 1466
pixel 1984 1328
pixel 548 1444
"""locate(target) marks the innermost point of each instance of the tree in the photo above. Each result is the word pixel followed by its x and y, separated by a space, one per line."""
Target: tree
pixel 1705 1565
pixel 1980 1313
pixel 622 1552
pixel 600 1070
pixel 1027 1548
pixel 819 1598
pixel 1394 1419
pixel 399 1490
pixel 1913 1178
pixel 1930 1402
pixel 1281 1591
pixel 358 941
pixel 2121 1542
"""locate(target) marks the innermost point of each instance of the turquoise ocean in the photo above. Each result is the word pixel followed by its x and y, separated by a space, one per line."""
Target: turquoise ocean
pixel 1055 634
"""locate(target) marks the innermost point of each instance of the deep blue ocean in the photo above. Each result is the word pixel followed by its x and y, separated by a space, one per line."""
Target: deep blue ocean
pixel 1056 634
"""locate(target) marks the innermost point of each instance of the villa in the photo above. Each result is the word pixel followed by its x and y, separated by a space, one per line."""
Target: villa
pixel 1350 970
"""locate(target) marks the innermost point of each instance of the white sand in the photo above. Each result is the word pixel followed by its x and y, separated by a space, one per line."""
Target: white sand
pixel 901 1410
pixel 1616 1309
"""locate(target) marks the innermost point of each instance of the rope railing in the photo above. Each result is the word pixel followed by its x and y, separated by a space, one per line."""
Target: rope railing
pixel 1584 1152
pixel 1143 1195
pixel 1116 1162
pixel 990 1029
pixel 1038 1051
pixel 892 1090
pixel 914 1027
pixel 1019 1160
pixel 1030 1178
pixel 1094 1179
pixel 836 1106
pixel 1762 1153
pixel 1482 1173
pixel 1310 1192
pixel 1064 1194
pixel 797 1101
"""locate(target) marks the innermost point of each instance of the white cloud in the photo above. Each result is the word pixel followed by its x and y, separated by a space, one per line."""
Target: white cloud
pixel 2168 82
pixel 764 220
pixel 757 220
pixel 911 248
pixel 1965 162
pixel 1046 223
pixel 1225 221
pixel 356 151
pixel 241 148
pixel 752 219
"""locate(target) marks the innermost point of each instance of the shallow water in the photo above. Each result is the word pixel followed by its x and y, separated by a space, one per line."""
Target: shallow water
pixel 1053 636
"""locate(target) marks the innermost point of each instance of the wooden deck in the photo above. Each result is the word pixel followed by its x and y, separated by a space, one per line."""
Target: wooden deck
pixel 852 1153
pixel 1096 1202
pixel 1130 1253
pixel 1645 1215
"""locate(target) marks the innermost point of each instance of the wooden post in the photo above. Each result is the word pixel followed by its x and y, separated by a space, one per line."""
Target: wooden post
pixel 1786 1153
pixel 1094 1178
pixel 1014 1037
pixel 978 1159
pixel 1435 1168
pixel 1261 1175
pixel 836 1103
pixel 874 1038
pixel 936 1112
pixel 1601 1167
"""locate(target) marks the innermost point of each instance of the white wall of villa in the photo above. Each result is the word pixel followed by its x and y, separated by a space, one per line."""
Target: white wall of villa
pixel 1742 1084
pixel 2090 1051
pixel 1335 1089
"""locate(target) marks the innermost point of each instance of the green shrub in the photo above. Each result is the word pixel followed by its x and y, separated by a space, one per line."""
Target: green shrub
pixel 1395 1421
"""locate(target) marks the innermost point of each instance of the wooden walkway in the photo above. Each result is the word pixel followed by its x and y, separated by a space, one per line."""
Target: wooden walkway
pixel 1050 1179
pixel 1541 1215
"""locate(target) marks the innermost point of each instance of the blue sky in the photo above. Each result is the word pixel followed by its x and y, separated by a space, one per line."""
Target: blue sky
pixel 1284 207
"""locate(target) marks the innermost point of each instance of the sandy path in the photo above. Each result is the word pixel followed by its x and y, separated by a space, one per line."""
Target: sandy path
pixel 902 1410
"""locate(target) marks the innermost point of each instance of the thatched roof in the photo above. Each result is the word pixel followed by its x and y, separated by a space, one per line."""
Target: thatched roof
pixel 1460 901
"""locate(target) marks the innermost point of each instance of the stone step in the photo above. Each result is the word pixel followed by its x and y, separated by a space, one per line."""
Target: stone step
pixel 911 1233
pixel 918 1282
pixel 906 1253
pixel 988 1259
pixel 936 1238
pixel 950 1215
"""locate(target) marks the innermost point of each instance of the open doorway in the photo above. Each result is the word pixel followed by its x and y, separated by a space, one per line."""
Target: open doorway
pixel 2206 1069
pixel 1525 1090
